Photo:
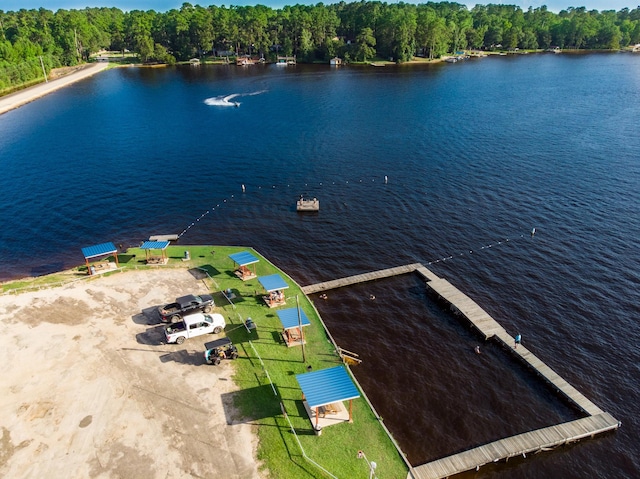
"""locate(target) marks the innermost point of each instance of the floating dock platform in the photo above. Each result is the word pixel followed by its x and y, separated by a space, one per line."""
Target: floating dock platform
pixel 164 238
pixel 308 205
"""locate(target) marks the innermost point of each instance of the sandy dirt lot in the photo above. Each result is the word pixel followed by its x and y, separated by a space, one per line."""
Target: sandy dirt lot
pixel 89 390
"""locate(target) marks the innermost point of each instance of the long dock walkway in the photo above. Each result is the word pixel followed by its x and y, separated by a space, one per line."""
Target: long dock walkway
pixel 596 422
pixel 518 445
pixel 489 327
pixel 359 278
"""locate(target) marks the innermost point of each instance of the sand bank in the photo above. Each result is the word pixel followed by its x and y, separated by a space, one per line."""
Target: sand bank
pixel 15 100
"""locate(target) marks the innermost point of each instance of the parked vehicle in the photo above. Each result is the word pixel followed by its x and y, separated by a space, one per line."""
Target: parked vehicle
pixel 174 312
pixel 218 350
pixel 194 325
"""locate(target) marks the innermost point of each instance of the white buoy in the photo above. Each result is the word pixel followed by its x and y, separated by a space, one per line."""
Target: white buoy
pixel 533 232
pixel 243 189
pixel 385 179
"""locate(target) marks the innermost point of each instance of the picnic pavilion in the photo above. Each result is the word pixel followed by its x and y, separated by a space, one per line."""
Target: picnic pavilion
pixel 323 396
pixel 150 246
pixel 97 251
pixel 244 259
pixel 274 286
pixel 292 325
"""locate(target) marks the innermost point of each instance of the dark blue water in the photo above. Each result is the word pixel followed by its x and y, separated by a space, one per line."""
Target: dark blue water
pixel 476 154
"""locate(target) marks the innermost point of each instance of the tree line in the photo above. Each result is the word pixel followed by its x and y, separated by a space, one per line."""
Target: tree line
pixel 357 31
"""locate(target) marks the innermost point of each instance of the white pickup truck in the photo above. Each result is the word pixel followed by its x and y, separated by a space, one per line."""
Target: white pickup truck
pixel 194 325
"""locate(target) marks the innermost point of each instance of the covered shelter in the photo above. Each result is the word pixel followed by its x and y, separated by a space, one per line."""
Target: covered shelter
pixel 292 325
pixel 244 259
pixel 150 246
pixel 99 250
pixel 275 286
pixel 323 393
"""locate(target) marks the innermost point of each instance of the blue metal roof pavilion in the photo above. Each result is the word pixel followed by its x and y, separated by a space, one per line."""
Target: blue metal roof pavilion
pixel 99 250
pixel 153 245
pixel 243 258
pixel 327 386
pixel 102 249
pixel 289 318
pixel 273 282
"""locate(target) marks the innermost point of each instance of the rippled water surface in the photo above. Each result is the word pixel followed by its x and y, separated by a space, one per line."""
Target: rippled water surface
pixel 476 155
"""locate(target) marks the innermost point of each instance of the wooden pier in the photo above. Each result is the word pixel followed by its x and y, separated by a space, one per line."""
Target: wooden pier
pixel 596 422
pixel 359 278
pixel 519 445
pixel 461 304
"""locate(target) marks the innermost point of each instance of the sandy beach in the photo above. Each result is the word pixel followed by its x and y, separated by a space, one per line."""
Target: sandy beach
pixel 90 390
pixel 15 100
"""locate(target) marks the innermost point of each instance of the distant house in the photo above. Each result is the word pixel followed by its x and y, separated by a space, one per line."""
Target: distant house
pixel 335 61
pixel 286 60
pixel 247 60
pixel 636 48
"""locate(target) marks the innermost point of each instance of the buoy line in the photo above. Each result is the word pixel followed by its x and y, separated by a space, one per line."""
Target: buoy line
pixel 470 252
pixel 246 189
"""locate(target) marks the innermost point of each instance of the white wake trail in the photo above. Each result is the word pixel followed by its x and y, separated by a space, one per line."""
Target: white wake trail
pixel 226 100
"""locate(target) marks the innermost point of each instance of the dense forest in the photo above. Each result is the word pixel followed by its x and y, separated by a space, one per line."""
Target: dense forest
pixel 31 40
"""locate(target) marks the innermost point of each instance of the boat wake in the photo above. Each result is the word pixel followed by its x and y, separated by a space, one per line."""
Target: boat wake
pixel 228 100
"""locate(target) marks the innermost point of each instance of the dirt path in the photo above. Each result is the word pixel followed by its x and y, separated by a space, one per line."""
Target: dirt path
pixel 89 390
pixel 15 100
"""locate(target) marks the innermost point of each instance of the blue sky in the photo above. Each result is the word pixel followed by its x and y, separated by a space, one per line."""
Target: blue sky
pixel 164 5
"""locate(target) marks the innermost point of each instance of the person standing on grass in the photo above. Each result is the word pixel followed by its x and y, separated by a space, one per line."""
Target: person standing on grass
pixel 518 341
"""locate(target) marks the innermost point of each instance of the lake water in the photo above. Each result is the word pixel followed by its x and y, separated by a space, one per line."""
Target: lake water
pixel 476 154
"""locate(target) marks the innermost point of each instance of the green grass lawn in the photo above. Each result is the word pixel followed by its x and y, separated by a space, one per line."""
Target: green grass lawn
pixel 265 371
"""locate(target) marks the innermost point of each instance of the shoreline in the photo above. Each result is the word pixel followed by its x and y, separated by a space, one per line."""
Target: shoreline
pixel 22 97
pixel 17 99
pixel 127 297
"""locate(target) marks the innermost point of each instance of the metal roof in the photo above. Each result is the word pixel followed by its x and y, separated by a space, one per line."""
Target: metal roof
pixel 289 318
pixel 243 258
pixel 273 282
pixel 99 250
pixel 327 386
pixel 154 245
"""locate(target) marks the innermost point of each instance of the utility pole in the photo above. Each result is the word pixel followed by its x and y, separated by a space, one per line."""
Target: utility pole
pixel 44 72
pixel 304 359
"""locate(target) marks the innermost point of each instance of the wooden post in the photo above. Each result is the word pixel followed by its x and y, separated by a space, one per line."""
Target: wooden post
pixel 300 327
